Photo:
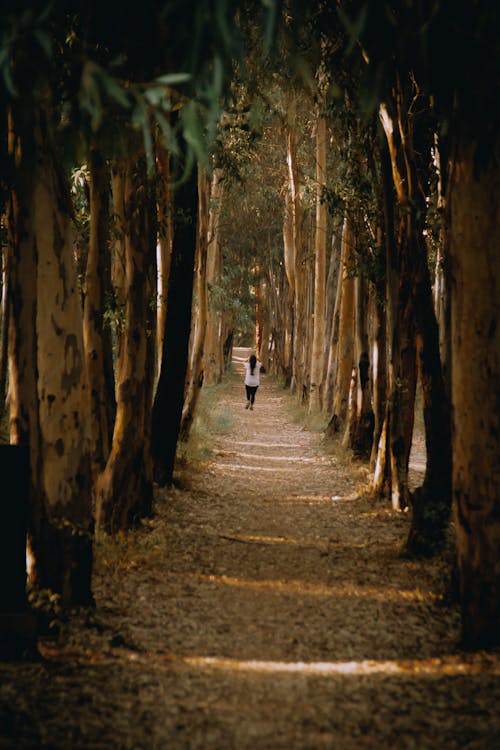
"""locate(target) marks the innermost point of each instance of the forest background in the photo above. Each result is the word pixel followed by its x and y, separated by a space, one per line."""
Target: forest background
pixel 173 172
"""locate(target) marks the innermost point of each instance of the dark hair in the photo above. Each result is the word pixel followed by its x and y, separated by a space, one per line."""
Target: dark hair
pixel 253 362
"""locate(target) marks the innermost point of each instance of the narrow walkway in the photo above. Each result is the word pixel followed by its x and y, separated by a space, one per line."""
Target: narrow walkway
pixel 265 607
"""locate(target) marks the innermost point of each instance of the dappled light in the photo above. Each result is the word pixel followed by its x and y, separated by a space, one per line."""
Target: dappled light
pixel 249 375
pixel 310 589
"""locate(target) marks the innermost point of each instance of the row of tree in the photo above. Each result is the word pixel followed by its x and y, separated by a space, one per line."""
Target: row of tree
pixel 106 360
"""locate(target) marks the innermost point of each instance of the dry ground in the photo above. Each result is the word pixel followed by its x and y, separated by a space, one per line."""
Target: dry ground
pixel 265 606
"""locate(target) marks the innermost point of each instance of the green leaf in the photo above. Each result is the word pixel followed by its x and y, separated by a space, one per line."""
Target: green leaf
pixel 174 79
pixel 9 81
pixel 116 92
pixel 168 132
pixel 44 41
pixel 148 145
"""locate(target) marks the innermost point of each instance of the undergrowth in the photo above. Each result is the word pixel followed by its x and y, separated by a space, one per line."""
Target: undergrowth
pixel 213 417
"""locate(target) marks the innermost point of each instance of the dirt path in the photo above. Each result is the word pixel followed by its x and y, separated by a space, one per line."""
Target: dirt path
pixel 265 606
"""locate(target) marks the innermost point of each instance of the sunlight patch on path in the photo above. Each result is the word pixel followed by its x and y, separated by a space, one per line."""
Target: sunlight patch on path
pixel 309 588
pixel 437 666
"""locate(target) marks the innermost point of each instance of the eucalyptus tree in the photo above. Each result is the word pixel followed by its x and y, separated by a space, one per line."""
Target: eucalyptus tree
pixel 436 68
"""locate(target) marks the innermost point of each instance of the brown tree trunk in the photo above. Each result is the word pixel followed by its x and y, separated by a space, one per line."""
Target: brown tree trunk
pixel 194 379
pixel 401 351
pixel 164 249
pixel 298 370
pixel 345 355
pixel 431 502
pixel 169 399
pixel 125 487
pixel 96 337
pixel 213 359
pixel 331 370
pixel 379 377
pixel 289 252
pixel 360 424
pixel 318 347
pixel 4 328
pixel 475 318
pixel 49 400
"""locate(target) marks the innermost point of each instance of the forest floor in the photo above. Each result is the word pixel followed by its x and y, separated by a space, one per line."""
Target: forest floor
pixel 266 605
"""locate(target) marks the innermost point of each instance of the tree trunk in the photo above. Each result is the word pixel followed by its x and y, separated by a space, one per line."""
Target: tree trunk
pixel 298 376
pixel 125 487
pixel 118 262
pixel 169 398
pixel 345 356
pixel 4 338
pixel 194 380
pixel 49 398
pixel 379 377
pixel 475 318
pixel 96 337
pixel 164 249
pixel 213 360
pixel 317 359
pixel 331 370
pixel 431 502
pixel 360 425
pixel 400 318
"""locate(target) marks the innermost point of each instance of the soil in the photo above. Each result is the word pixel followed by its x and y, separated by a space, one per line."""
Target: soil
pixel 266 605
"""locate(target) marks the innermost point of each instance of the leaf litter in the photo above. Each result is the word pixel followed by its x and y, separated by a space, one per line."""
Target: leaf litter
pixel 266 605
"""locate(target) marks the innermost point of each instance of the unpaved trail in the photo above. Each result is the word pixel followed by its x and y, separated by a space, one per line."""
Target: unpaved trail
pixel 266 606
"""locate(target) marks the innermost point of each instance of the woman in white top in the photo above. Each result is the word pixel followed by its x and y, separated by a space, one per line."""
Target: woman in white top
pixel 252 380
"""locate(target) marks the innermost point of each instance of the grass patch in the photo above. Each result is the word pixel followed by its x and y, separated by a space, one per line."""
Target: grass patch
pixel 213 417
pixel 142 547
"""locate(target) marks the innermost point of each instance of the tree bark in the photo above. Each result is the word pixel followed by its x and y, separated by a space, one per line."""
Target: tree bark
pixel 96 337
pixel 318 348
pixel 298 374
pixel 49 406
pixel 194 380
pixel 214 359
pixel 169 399
pixel 360 425
pixel 164 248
pixel 475 319
pixel 125 487
pixel 4 338
pixel 345 356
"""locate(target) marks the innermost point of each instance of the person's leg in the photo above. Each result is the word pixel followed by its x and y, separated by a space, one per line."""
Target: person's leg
pixel 248 390
pixel 252 395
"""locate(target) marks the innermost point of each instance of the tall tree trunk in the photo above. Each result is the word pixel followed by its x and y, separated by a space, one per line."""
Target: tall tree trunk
pixel 317 359
pixel 164 249
pixel 289 253
pixel 4 329
pixel 475 318
pixel 345 356
pixel 379 376
pixel 298 375
pixel 360 426
pixel 125 487
pixel 213 359
pixel 431 502
pixel 400 315
pixel 96 337
pixel 169 397
pixel 194 380
pixel 331 369
pixel 47 372
pixel 265 328
pixel 118 262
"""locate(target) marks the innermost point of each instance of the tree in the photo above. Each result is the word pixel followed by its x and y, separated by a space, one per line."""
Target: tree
pixel 125 487
pixel 169 399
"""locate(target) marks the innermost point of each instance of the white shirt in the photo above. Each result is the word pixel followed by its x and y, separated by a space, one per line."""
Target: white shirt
pixel 255 378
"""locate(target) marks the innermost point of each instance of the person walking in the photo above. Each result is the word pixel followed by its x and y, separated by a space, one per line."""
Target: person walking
pixel 252 380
